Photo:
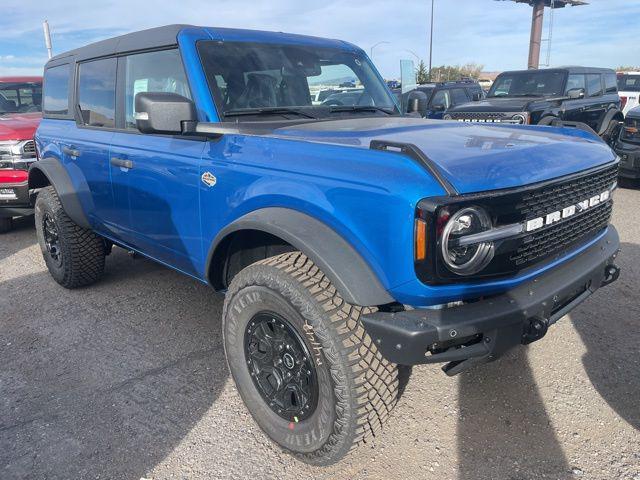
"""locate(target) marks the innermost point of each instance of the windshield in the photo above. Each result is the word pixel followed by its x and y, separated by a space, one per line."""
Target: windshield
pixel 528 84
pixel 251 79
pixel 629 83
pixel 20 97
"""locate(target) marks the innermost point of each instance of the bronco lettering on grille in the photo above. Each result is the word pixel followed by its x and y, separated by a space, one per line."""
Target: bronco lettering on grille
pixel 566 212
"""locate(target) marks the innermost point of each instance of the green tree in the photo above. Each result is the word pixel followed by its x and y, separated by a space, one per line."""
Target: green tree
pixel 446 73
pixel 422 73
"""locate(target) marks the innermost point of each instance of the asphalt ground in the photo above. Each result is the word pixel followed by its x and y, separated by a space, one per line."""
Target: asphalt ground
pixel 127 379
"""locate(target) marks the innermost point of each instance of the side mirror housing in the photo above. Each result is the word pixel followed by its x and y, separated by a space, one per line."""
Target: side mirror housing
pixel 576 93
pixel 476 97
pixel 417 102
pixel 438 107
pixel 163 112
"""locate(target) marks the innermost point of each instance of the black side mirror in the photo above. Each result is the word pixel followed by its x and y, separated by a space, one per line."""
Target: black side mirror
pixel 417 102
pixel 476 96
pixel 163 112
pixel 438 107
pixel 576 93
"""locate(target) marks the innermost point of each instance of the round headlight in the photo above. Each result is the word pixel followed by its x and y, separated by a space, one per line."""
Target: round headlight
pixel 461 257
pixel 447 117
pixel 520 118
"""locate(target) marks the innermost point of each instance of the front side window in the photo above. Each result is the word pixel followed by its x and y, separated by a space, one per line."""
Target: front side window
pixel 56 90
pixel 594 85
pixel 458 96
pixel 160 71
pixel 576 80
pixel 441 99
pixel 248 79
pixel 528 84
pixel 97 92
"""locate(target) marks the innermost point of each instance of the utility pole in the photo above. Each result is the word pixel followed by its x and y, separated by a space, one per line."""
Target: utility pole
pixel 47 37
pixel 536 34
pixel 431 40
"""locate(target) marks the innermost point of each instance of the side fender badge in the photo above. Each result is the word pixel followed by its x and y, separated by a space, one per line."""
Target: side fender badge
pixel 209 179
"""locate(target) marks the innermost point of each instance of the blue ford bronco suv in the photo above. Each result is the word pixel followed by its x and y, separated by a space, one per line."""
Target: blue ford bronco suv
pixel 352 242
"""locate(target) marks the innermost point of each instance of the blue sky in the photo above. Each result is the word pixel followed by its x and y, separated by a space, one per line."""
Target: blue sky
pixel 492 33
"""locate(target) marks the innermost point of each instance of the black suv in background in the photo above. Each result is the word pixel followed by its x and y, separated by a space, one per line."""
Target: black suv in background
pixel 573 95
pixel 443 95
pixel 628 146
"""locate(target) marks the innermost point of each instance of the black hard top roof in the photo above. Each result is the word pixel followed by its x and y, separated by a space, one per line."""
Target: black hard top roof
pixel 569 69
pixel 150 38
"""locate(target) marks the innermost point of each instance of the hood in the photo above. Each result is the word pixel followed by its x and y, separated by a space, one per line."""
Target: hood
pixel 19 126
pixel 473 157
pixel 496 104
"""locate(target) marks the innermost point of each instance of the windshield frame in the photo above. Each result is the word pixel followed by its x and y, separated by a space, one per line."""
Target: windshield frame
pixel 17 86
pixel 306 112
pixel 564 73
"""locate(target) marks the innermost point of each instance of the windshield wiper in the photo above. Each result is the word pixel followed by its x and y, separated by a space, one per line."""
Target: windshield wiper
pixel 267 111
pixel 360 108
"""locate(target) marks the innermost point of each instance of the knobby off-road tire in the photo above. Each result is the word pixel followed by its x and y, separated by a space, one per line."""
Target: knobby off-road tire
pixel 77 258
pixel 610 135
pixel 357 387
pixel 6 224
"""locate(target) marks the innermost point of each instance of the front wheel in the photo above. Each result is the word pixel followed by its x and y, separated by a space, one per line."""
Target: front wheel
pixel 74 255
pixel 610 135
pixel 305 367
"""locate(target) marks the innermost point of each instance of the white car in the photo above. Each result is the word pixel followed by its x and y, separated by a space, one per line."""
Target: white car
pixel 629 90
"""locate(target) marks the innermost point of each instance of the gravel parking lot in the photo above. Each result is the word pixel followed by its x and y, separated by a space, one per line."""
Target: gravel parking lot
pixel 127 379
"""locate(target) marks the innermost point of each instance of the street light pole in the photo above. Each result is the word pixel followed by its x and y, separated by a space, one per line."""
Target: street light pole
pixel 431 40
pixel 47 37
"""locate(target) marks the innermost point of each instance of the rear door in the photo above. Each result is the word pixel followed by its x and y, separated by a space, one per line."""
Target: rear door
pixel 157 176
pixel 86 145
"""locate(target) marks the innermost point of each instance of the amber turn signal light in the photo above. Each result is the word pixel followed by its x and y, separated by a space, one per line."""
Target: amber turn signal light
pixel 420 240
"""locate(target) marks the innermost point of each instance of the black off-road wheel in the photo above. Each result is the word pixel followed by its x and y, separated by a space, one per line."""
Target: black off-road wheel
pixel 6 224
pixel 74 255
pixel 610 135
pixel 306 369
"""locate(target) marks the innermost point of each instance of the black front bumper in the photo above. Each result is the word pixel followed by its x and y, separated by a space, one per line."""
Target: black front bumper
pixel 481 331
pixel 18 206
pixel 629 159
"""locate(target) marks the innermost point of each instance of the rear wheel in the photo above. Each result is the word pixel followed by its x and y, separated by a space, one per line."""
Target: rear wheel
pixel 74 255
pixel 6 224
pixel 306 369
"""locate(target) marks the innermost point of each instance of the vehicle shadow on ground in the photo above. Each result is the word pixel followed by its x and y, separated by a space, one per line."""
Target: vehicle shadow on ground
pixel 504 424
pixel 611 360
pixel 104 382
pixel 23 235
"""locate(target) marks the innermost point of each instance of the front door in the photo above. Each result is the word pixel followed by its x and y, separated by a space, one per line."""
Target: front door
pixel 159 173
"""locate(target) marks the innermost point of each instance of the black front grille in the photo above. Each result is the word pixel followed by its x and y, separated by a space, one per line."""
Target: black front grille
pixel 561 236
pixel 557 196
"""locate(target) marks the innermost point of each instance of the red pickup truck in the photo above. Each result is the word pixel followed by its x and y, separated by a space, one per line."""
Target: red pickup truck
pixel 20 113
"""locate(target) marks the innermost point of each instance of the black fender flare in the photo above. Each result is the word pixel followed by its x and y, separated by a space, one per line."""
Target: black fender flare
pixel 348 271
pixel 49 171
pixel 606 119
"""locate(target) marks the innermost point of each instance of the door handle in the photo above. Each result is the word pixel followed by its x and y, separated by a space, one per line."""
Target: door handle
pixel 72 152
pixel 121 162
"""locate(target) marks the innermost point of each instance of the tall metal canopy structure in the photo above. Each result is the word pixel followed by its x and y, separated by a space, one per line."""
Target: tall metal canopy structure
pixel 536 23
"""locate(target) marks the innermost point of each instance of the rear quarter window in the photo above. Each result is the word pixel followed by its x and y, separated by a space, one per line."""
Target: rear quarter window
pixel 56 90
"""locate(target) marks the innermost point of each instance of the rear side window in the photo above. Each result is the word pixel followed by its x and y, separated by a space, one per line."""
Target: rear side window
pixel 56 90
pixel 160 71
pixel 97 92
pixel 610 83
pixel 594 84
